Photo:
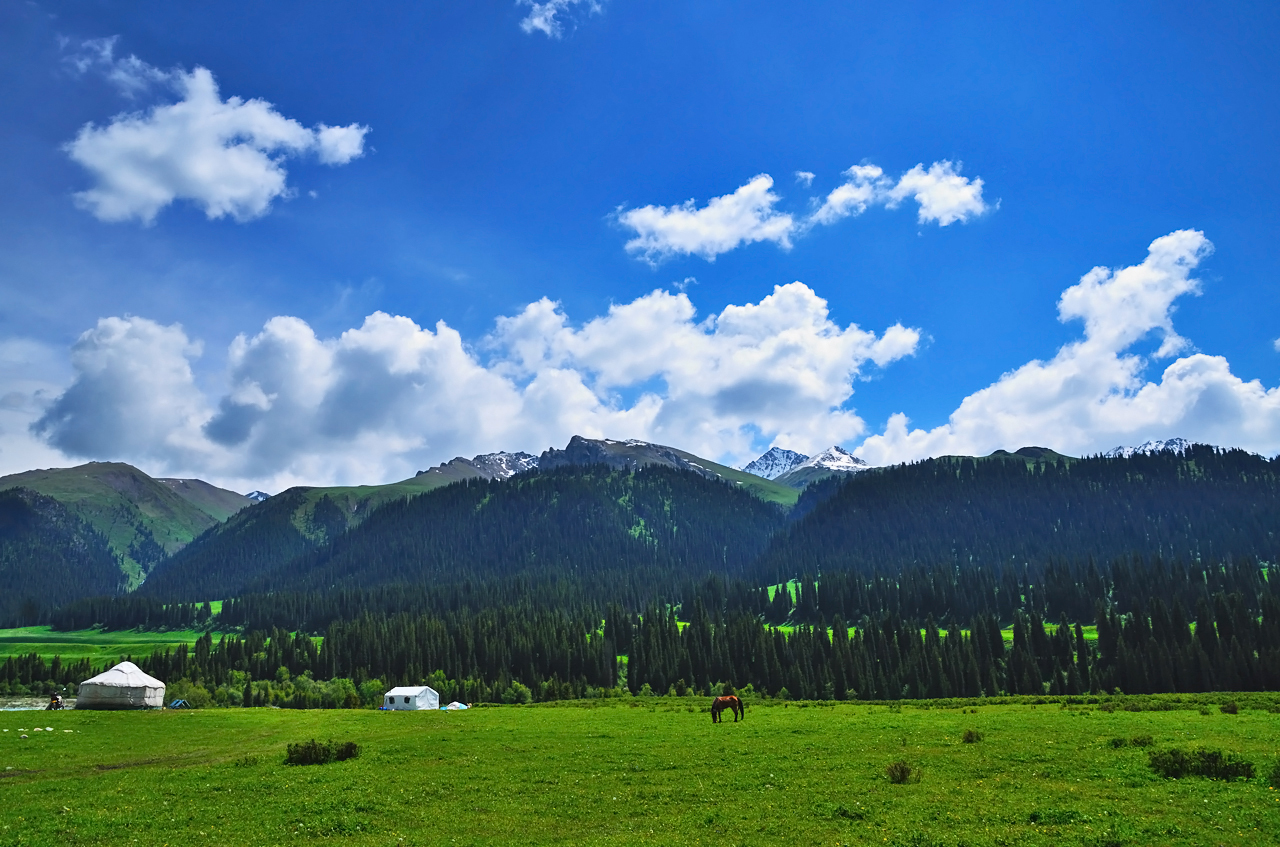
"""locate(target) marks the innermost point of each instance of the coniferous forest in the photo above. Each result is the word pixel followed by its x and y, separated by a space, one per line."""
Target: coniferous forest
pixel 1155 573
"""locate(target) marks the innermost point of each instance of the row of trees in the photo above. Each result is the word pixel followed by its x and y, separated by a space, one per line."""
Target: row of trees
pixel 518 654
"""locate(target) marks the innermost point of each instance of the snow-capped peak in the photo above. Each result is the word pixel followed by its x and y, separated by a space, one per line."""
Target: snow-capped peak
pixel 775 463
pixel 1177 445
pixel 258 496
pixel 836 459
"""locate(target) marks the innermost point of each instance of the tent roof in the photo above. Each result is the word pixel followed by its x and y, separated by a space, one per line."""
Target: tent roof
pixel 411 690
pixel 126 675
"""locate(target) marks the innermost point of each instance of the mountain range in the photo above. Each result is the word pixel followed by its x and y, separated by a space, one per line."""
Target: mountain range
pixel 186 538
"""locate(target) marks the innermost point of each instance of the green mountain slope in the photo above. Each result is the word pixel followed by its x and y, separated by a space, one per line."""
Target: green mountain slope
pixel 48 555
pixel 219 503
pixel 143 519
pixel 255 541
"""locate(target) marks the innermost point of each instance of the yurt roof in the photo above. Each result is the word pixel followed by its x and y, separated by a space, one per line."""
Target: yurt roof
pixel 126 675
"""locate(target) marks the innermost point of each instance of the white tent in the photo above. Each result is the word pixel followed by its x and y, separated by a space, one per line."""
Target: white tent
pixel 456 706
pixel 411 698
pixel 123 687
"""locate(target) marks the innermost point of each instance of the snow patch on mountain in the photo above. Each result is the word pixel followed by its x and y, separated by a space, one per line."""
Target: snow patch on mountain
pixel 1177 445
pixel 775 463
pixel 258 496
pixel 503 465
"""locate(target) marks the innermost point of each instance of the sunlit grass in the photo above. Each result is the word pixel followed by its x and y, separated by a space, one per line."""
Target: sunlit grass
pixel 649 770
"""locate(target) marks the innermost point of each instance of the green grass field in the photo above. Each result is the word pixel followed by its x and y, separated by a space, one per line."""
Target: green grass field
pixel 91 643
pixel 643 771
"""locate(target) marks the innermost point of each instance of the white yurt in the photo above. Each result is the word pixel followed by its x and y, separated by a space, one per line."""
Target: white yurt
pixel 411 698
pixel 123 687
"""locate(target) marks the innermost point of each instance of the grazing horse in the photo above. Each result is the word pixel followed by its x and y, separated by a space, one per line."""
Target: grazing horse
pixel 729 702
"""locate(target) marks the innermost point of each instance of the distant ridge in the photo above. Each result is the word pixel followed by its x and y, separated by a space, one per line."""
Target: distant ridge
pixel 500 465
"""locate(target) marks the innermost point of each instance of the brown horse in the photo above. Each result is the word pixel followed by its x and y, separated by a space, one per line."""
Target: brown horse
pixel 729 702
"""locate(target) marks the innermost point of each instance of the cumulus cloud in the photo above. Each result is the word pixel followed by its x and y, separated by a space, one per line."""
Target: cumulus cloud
pixel 943 195
pixel 390 397
pixel 226 156
pixel 545 17
pixel 745 216
pixel 1092 395
pixel 749 214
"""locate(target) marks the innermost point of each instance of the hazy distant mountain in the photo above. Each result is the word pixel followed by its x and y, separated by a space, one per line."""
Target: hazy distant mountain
pixel 775 463
pixel 1177 445
pixel 143 519
pixel 831 462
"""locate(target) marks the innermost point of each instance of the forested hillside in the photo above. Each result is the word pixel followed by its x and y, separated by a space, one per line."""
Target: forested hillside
pixel 49 556
pixel 610 531
pixel 964 513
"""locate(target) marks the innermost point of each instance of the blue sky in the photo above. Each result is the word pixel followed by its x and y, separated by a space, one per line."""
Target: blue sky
pixel 472 175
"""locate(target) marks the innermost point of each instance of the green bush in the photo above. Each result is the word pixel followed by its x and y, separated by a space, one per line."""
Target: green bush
pixel 1229 708
pixel 971 736
pixel 1119 742
pixel 316 753
pixel 1142 741
pixel 1274 777
pixel 900 773
pixel 1212 764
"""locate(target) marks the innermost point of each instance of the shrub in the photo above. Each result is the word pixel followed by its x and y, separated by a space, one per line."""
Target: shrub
pixel 1229 708
pixel 971 736
pixel 316 753
pixel 1212 764
pixel 1274 777
pixel 1142 741
pixel 900 773
pixel 1119 742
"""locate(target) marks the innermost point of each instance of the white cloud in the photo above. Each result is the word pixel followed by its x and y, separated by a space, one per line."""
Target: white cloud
pixel 226 156
pixel 388 398
pixel 866 184
pixel 130 75
pixel 749 214
pixel 745 216
pixel 944 196
pixel 1092 394
pixel 544 17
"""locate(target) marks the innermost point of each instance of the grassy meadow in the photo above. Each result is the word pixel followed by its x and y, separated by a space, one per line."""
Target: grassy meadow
pixel 95 645
pixel 637 771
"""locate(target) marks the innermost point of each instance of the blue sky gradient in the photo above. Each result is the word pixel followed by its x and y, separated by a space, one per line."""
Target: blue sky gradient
pixel 499 163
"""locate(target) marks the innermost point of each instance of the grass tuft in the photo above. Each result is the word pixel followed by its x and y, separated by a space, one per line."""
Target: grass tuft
pixel 1212 764
pixel 902 773
pixel 317 753
pixel 971 736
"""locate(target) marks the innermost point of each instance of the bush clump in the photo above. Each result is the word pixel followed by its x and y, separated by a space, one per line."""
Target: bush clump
pixel 1274 777
pixel 971 736
pixel 901 773
pixel 1212 764
pixel 1231 707
pixel 320 753
pixel 1142 741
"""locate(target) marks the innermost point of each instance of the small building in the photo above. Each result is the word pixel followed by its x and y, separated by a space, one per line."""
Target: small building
pixel 126 686
pixel 411 698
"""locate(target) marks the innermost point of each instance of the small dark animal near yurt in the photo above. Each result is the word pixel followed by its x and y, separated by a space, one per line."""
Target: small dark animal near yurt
pixel 729 702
